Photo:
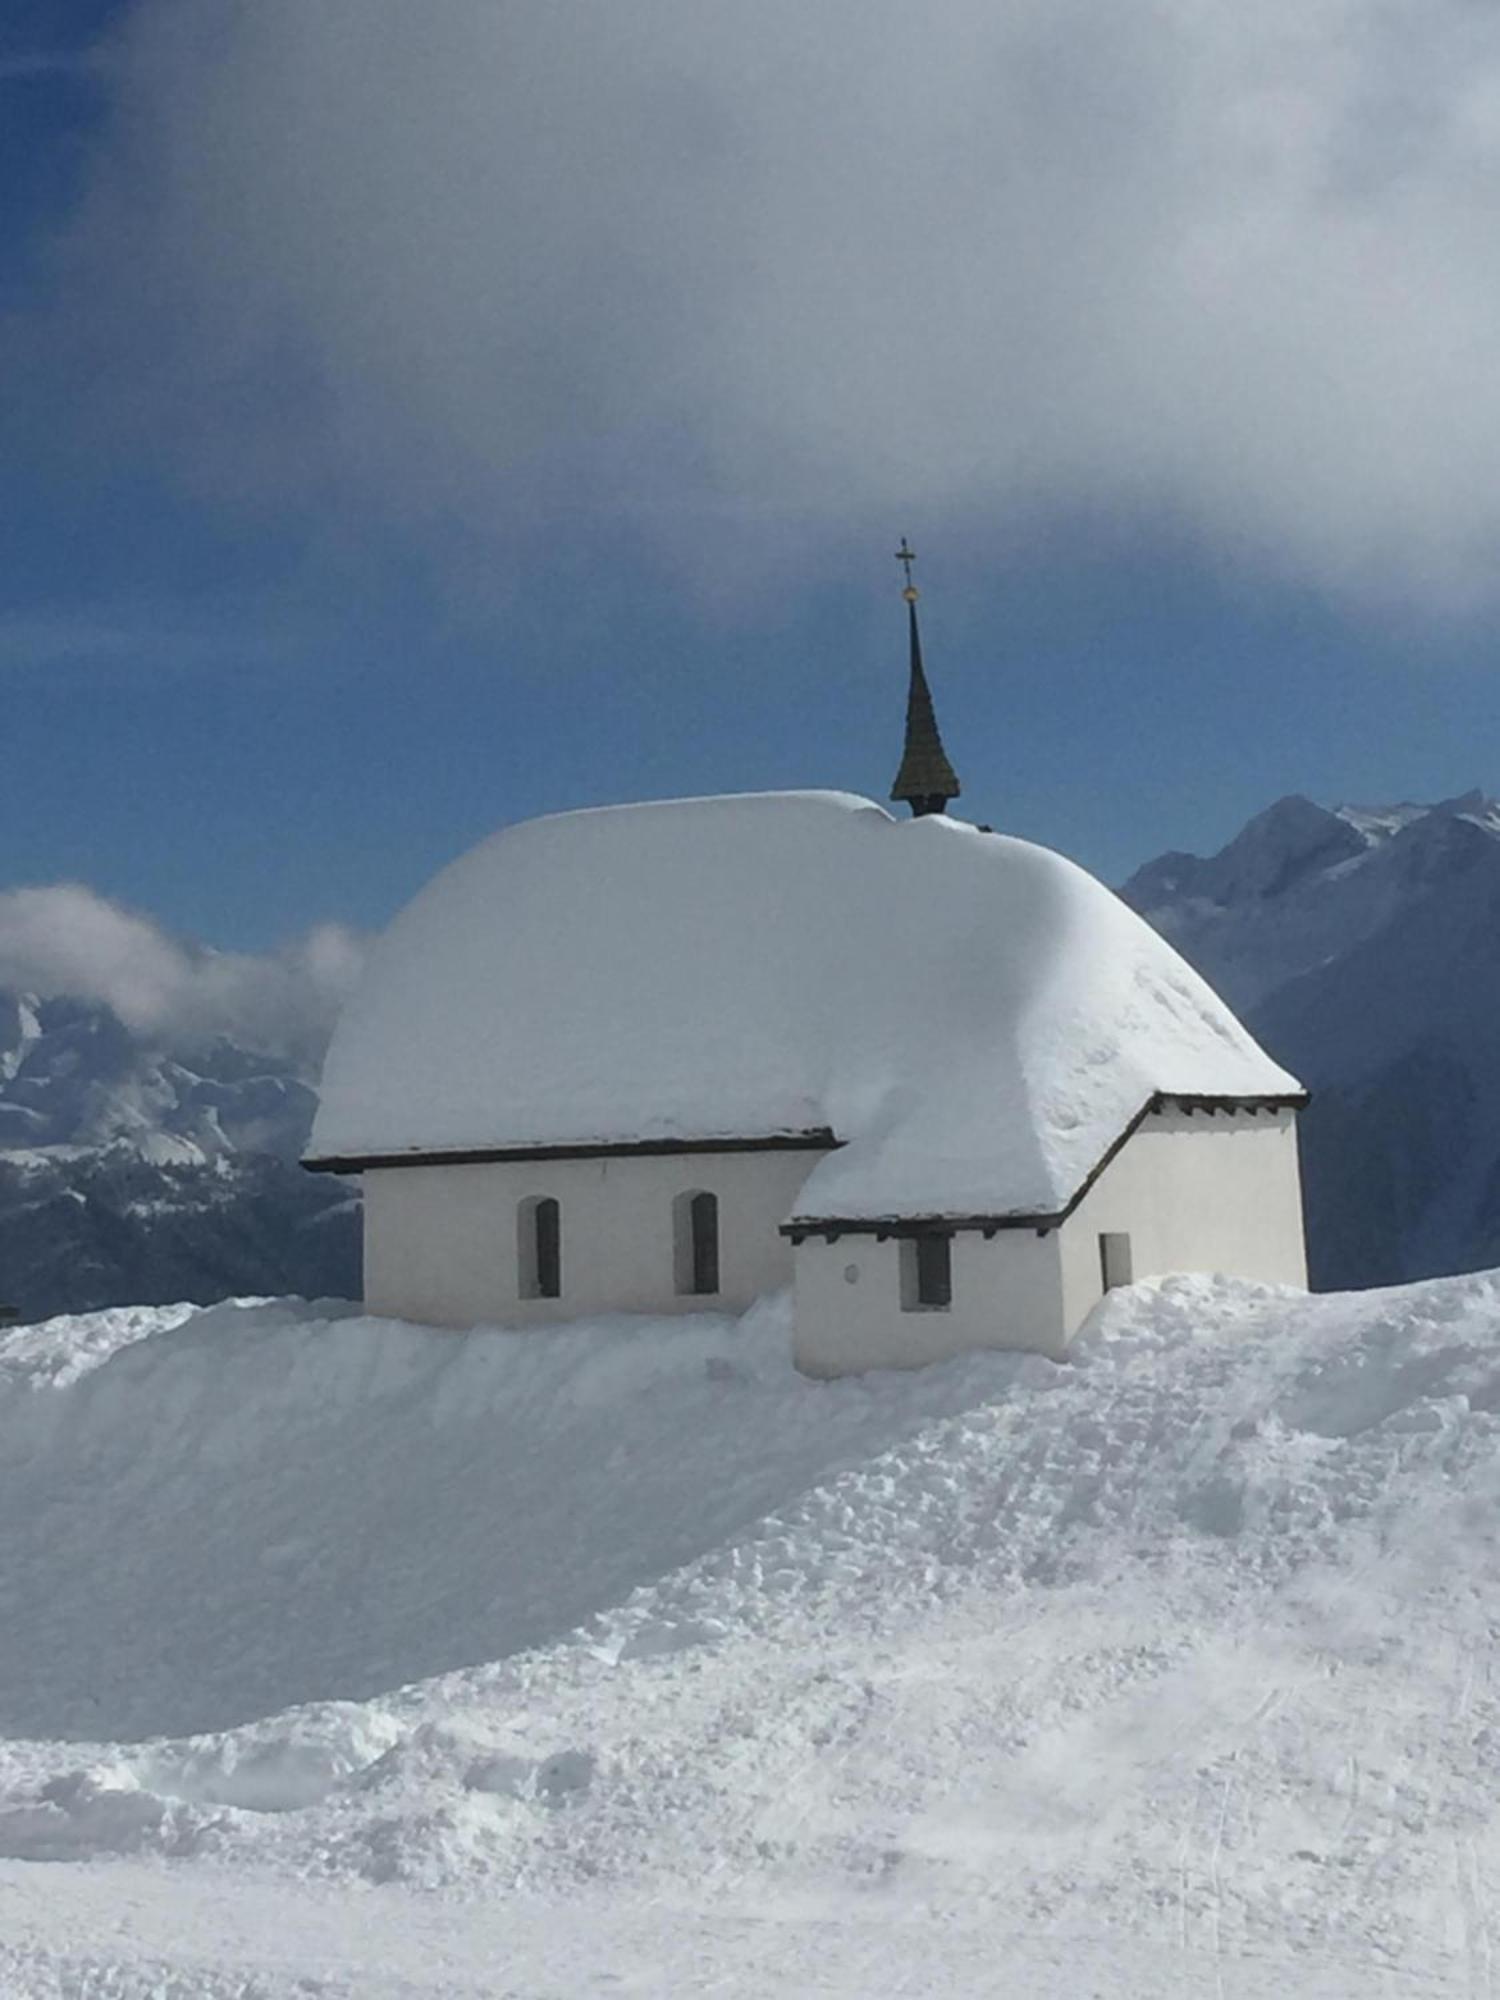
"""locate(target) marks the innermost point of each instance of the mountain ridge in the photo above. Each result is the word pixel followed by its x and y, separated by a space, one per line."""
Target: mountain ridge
pixel 1361 945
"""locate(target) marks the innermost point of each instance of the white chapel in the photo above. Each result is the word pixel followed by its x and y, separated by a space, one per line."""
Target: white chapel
pixel 671 1057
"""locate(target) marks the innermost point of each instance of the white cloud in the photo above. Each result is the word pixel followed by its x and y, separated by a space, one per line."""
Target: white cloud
pixel 703 266
pixel 64 939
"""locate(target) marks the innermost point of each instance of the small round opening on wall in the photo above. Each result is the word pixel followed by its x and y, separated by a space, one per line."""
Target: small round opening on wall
pixel 851 1274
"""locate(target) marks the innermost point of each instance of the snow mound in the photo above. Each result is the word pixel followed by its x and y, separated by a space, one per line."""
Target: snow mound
pixel 265 1472
pixel 977 1018
pixel 1167 1669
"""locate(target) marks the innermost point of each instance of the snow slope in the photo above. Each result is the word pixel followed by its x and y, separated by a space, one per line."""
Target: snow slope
pixel 339 1658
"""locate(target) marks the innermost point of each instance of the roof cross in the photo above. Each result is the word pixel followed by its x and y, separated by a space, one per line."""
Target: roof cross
pixel 906 556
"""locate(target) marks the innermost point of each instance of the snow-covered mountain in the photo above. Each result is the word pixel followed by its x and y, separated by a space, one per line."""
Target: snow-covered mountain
pixel 133 1169
pixel 72 1074
pixel 1362 946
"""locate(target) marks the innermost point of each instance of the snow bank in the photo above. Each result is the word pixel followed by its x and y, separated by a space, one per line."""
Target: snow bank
pixel 1166 1670
pixel 246 1473
pixel 976 1017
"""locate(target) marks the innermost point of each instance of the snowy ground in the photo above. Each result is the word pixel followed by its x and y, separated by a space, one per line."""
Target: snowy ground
pixel 342 1659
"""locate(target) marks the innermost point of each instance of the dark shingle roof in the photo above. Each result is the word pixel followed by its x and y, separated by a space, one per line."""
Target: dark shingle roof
pixel 925 775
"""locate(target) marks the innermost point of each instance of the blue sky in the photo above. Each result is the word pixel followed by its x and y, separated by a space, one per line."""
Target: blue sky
pixel 380 467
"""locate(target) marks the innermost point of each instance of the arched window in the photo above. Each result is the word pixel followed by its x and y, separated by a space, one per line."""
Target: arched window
pixel 539 1248
pixel 695 1240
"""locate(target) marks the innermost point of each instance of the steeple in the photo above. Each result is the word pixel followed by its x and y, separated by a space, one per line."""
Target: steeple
pixel 926 780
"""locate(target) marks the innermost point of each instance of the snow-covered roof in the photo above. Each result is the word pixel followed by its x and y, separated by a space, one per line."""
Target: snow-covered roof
pixel 977 1019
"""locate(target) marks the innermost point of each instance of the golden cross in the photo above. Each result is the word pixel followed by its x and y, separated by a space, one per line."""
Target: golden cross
pixel 906 556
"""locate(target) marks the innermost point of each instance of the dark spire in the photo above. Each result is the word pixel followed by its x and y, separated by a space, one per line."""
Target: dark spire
pixel 926 780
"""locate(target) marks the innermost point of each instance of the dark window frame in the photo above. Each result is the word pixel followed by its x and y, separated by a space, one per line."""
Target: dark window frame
pixel 927 1271
pixel 695 1244
pixel 1116 1265
pixel 539 1247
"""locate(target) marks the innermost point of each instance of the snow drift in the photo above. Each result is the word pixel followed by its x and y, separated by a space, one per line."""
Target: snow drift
pixel 976 1017
pixel 1165 1670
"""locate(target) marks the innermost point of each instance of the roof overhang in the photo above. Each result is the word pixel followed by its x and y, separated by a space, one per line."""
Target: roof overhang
pixel 817 1139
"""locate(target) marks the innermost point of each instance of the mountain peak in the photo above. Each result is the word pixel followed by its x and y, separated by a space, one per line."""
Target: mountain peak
pixel 1296 839
pixel 1289 840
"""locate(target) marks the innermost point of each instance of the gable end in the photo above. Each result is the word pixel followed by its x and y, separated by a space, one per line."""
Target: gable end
pixel 882 1227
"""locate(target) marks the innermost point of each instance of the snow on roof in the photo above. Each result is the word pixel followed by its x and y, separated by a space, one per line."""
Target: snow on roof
pixel 976 1018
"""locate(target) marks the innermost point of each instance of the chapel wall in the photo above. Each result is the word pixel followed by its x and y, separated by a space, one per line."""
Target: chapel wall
pixel 442 1242
pixel 1007 1293
pixel 1196 1191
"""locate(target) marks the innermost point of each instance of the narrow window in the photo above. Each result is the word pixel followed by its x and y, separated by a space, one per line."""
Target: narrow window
pixel 1115 1263
pixel 539 1248
pixel 695 1244
pixel 927 1272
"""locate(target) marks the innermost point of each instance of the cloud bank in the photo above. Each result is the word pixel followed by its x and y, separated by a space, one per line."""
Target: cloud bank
pixel 66 940
pixel 727 272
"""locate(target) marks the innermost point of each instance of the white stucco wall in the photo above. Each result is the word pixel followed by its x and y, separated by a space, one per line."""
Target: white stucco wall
pixel 1007 1292
pixel 441 1241
pixel 1194 1192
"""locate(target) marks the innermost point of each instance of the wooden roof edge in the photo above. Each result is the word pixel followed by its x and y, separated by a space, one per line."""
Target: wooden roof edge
pixel 1198 1100
pixel 819 1138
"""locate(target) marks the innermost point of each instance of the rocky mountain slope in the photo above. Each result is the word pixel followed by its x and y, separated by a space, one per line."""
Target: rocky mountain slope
pixel 1363 949
pixel 134 1171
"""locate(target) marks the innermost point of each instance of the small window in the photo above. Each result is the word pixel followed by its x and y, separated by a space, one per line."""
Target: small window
pixel 539 1248
pixel 1115 1262
pixel 927 1272
pixel 695 1244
